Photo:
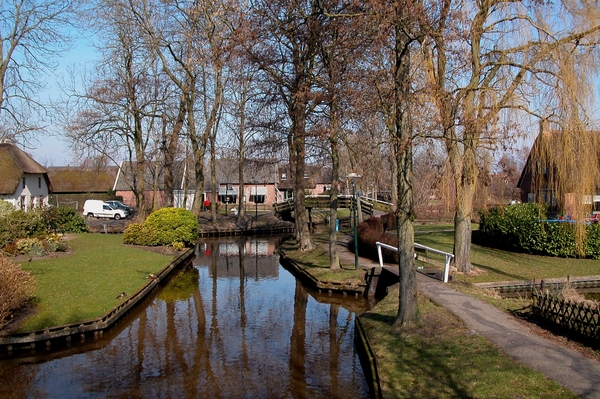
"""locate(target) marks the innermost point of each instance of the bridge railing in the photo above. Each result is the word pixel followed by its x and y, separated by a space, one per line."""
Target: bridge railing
pixel 448 256
pixel 323 202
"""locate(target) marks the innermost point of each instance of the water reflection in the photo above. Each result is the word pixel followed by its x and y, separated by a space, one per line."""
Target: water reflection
pixel 234 325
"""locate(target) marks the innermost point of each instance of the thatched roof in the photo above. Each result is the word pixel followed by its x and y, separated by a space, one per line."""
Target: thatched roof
pixel 14 163
pixel 69 179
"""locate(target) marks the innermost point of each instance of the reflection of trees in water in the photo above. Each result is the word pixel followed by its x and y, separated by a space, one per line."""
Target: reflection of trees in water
pixel 14 380
pixel 298 343
pixel 229 336
pixel 181 286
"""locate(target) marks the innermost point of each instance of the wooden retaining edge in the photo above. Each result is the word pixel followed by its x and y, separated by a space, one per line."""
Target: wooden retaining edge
pixel 367 358
pixel 530 283
pixel 320 285
pixel 28 339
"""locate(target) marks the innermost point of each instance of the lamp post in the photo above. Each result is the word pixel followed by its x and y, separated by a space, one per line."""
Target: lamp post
pixel 353 177
pixel 255 199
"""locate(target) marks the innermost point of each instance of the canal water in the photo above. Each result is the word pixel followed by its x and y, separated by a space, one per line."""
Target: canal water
pixel 234 324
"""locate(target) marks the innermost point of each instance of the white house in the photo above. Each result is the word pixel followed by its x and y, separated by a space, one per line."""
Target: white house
pixel 23 182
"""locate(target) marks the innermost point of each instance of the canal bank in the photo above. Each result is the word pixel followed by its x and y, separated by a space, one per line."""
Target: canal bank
pixel 64 335
pixel 453 325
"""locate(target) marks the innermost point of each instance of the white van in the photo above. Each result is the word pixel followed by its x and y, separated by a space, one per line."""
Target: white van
pixel 100 209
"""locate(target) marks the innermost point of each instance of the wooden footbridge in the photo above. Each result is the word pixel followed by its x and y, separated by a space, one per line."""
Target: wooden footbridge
pixel 323 202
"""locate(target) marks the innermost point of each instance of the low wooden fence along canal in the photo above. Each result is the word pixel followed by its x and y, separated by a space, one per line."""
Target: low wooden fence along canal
pixel 580 318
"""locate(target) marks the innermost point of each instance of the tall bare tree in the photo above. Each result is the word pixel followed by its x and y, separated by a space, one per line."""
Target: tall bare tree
pixel 33 34
pixel 506 50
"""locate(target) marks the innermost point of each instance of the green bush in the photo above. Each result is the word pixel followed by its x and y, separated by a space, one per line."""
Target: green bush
pixel 30 247
pixel 6 208
pixel 16 287
pixel 524 228
pixel 20 224
pixel 512 227
pixel 140 234
pixel 63 220
pixel 173 225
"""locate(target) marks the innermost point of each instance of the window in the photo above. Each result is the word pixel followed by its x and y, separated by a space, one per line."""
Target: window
pixel 23 181
pixel 22 202
pixel 257 199
pixel 39 182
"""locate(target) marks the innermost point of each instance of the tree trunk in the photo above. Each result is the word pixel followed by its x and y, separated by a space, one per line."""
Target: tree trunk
pixel 298 155
pixel 170 148
pixel 408 312
pixel 465 192
pixel 334 261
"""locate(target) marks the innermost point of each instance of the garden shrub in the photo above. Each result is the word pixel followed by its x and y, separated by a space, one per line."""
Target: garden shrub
pixel 30 247
pixel 16 287
pixel 369 233
pixel 63 220
pixel 140 234
pixel 6 208
pixel 512 227
pixel 523 228
pixel 173 224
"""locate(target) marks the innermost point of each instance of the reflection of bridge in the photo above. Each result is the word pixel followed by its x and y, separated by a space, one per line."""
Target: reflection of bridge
pixel 323 202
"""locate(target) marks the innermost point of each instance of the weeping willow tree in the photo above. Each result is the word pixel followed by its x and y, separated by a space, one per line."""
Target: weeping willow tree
pixel 565 159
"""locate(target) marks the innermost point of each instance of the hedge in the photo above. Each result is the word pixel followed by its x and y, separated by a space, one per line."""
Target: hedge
pixel 525 228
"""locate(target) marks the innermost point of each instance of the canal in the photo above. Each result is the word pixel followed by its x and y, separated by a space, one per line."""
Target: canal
pixel 233 324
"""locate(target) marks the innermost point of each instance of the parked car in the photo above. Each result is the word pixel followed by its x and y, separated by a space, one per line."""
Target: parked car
pixel 100 209
pixel 119 205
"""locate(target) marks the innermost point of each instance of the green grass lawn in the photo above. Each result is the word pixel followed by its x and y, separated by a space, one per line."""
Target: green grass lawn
pixel 441 358
pixel 85 284
pixel 497 265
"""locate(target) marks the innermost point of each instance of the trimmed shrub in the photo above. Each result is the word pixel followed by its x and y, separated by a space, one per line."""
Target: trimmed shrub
pixel 512 227
pixel 140 234
pixel 523 228
pixel 369 233
pixel 173 225
pixel 16 287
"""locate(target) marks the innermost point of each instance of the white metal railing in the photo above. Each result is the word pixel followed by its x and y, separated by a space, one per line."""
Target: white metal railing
pixel 449 256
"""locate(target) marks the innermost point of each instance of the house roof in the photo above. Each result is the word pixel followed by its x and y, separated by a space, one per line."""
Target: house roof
pixel 69 179
pixel 14 163
pixel 263 172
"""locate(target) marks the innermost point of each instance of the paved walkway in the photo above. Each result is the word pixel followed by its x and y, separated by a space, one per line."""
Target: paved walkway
pixel 567 367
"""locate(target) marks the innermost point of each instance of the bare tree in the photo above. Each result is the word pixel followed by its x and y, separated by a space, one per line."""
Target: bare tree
pixel 505 51
pixel 117 114
pixel 33 34
pixel 285 46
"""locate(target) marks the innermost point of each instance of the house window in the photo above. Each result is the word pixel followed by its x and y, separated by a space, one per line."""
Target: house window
pixel 22 202
pixel 23 181
pixel 257 199
pixel 39 182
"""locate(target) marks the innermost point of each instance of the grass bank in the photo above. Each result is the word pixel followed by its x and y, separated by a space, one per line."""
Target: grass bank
pixel 85 284
pixel 441 358
pixel 316 262
pixel 497 265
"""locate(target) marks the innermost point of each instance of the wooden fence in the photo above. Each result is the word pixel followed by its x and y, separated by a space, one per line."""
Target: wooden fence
pixel 581 318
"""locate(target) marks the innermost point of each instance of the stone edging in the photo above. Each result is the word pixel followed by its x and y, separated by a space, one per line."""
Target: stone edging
pixel 66 332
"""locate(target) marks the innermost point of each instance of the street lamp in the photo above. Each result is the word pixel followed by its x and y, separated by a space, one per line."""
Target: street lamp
pixel 353 178
pixel 255 199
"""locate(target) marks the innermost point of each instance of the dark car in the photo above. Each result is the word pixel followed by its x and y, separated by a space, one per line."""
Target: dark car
pixel 120 205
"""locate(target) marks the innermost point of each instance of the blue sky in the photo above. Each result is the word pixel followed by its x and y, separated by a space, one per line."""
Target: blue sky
pixel 51 151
